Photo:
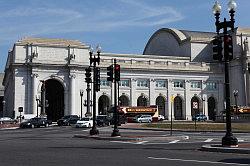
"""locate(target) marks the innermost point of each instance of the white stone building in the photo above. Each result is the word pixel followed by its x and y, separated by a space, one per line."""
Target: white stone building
pixel 175 63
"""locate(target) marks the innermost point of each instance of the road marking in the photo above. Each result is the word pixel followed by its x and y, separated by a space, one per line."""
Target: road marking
pixel 195 161
pixel 126 142
pixel 175 141
pixel 240 140
pixel 209 140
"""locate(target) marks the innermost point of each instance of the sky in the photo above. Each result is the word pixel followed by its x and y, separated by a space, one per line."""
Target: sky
pixel 119 26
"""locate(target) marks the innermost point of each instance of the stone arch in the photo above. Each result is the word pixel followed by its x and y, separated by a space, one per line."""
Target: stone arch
pixel 104 104
pixel 142 101
pixel 161 103
pixel 124 100
pixel 211 108
pixel 178 108
pixel 55 99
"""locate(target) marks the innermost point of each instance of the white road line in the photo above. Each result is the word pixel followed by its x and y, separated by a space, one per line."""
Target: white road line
pixel 126 142
pixel 240 140
pixel 175 141
pixel 196 161
pixel 209 140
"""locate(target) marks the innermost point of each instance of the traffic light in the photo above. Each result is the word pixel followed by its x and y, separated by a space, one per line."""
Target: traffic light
pixel 88 75
pixel 117 72
pixel 228 46
pixel 217 49
pixel 110 73
pixel 97 81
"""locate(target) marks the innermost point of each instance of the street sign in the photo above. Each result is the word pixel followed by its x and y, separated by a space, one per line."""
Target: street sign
pixel 195 105
pixel 20 109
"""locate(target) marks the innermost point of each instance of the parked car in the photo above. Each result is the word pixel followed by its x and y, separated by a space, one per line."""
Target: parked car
pixel 143 118
pixel 161 118
pixel 35 122
pixel 84 122
pixel 102 120
pixel 7 120
pixel 68 120
pixel 199 117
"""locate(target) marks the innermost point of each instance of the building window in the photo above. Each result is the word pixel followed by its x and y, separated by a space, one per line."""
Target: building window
pixel 160 83
pixel 178 83
pixel 124 83
pixel 104 83
pixel 142 83
pixel 195 84
pixel 211 85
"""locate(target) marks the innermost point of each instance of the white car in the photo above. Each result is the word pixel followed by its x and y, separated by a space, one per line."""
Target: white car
pixel 161 118
pixel 143 118
pixel 84 122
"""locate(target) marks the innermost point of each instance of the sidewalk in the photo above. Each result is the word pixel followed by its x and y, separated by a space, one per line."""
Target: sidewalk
pixel 243 148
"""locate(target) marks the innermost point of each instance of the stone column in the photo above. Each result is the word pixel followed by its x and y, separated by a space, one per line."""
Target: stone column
pixel 220 100
pixel 187 101
pixel 168 105
pixel 152 92
pixel 34 77
pixel 72 110
pixel 133 99
pixel 204 98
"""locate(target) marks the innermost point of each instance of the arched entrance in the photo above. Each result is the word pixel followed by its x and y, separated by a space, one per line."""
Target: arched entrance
pixel 211 108
pixel 160 102
pixel 142 101
pixel 124 101
pixel 195 106
pixel 103 105
pixel 178 115
pixel 55 97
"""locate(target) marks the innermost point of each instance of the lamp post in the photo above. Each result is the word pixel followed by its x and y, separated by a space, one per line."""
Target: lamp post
pixel 228 139
pixel 94 60
pixel 81 94
pixel 235 92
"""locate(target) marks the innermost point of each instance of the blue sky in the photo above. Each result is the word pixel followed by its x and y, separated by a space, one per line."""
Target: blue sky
pixel 119 26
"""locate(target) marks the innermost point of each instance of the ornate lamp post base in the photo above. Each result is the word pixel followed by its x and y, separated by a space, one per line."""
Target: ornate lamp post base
pixel 115 133
pixel 229 140
pixel 94 131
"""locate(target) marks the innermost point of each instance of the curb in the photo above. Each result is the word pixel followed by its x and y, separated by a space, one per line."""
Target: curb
pixel 219 148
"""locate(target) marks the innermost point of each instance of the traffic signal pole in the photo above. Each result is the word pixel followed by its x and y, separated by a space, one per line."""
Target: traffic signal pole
pixel 116 114
pixel 88 81
pixel 228 139
pixel 94 60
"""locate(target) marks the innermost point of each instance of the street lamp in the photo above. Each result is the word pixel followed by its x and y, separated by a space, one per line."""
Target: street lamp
pixel 96 71
pixel 235 92
pixel 228 139
pixel 81 94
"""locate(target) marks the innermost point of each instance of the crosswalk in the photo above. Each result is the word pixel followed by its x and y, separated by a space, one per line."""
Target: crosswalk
pixel 177 141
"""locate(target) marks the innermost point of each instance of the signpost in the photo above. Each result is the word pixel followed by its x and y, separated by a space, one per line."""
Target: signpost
pixel 195 107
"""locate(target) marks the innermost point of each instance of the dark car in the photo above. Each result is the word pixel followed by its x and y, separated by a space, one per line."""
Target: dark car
pixel 102 120
pixel 68 120
pixel 199 117
pixel 35 122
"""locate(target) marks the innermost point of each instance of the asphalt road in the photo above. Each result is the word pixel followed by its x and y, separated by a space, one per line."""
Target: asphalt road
pixel 55 146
